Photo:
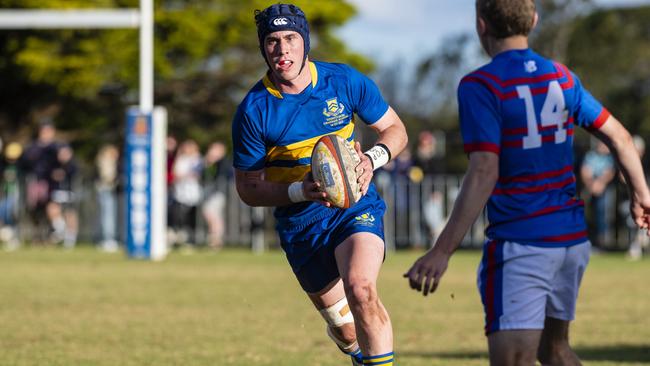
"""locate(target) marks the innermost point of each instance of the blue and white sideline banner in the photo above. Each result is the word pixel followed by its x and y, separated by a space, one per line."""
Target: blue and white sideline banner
pixel 146 188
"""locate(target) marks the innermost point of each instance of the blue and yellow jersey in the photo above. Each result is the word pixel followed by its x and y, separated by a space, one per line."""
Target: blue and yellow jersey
pixel 525 108
pixel 277 132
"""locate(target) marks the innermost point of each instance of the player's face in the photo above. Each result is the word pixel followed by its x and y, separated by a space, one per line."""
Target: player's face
pixel 285 51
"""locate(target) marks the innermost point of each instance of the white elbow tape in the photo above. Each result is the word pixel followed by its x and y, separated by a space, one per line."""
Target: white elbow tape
pixel 296 194
pixel 379 155
pixel 338 314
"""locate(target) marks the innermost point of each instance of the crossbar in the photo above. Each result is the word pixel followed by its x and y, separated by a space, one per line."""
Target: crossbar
pixel 77 18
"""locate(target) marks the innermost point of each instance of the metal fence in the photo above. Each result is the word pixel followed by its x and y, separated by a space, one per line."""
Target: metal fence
pixel 410 206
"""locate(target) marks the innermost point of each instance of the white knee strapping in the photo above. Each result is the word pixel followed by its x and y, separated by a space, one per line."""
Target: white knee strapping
pixel 338 314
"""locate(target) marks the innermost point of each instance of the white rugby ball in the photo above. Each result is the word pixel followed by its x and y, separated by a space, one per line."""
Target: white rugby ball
pixel 332 165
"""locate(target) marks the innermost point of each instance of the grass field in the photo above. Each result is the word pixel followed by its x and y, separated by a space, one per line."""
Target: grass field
pixel 234 308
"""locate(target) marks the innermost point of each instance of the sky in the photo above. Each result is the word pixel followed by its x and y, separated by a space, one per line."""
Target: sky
pixel 387 32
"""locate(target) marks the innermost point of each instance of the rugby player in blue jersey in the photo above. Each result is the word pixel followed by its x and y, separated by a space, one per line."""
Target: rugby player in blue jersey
pixel 335 254
pixel 517 117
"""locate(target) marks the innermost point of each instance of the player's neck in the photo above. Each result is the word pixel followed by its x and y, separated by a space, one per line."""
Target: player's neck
pixel 296 85
pixel 497 46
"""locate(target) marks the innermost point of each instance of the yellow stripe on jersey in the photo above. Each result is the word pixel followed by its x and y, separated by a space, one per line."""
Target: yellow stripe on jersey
pixel 303 149
pixel 286 175
pixel 314 74
pixel 270 87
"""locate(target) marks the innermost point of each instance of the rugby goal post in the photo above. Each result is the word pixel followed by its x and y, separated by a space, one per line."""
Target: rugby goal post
pixel 146 224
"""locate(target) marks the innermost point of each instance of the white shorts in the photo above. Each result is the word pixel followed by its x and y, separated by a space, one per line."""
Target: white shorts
pixel 521 285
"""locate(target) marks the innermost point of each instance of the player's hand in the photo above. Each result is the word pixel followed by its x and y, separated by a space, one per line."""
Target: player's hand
pixel 640 210
pixel 363 169
pixel 313 192
pixel 425 274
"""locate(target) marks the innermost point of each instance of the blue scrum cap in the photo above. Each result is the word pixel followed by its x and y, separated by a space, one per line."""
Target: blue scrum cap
pixel 278 17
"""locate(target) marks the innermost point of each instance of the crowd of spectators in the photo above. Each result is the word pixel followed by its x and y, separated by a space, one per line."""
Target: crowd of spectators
pixel 41 183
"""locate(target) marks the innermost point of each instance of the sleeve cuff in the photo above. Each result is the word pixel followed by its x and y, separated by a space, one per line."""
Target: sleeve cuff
pixel 482 146
pixel 601 119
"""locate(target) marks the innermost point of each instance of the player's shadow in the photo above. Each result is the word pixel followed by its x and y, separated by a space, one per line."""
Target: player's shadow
pixel 619 354
pixel 623 353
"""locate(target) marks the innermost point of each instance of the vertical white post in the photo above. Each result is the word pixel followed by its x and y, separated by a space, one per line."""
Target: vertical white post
pixel 158 184
pixel 146 56
pixel 158 187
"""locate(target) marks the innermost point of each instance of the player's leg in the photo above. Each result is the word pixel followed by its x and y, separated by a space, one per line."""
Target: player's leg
pixel 515 281
pixel 319 278
pixel 359 258
pixel 554 348
pixel 513 347
pixel 333 307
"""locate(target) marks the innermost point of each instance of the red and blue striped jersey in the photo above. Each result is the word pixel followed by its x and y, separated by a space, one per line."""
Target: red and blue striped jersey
pixel 524 108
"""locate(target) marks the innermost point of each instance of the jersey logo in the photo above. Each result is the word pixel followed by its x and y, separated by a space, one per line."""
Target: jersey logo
pixel 365 219
pixel 280 21
pixel 334 113
pixel 333 108
pixel 530 66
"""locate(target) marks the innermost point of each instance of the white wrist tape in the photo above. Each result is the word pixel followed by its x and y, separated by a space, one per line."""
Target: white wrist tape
pixel 338 314
pixel 379 155
pixel 296 194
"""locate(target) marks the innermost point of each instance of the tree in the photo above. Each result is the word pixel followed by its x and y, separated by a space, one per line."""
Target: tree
pixel 610 50
pixel 556 20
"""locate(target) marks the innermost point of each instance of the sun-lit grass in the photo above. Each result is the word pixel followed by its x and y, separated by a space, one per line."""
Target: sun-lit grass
pixel 235 308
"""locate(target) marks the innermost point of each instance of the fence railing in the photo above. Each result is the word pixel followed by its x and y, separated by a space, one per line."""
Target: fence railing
pixel 416 212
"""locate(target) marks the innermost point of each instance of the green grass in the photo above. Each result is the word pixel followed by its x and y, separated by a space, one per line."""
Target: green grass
pixel 236 308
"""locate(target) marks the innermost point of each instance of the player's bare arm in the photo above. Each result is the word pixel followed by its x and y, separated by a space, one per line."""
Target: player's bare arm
pixel 255 191
pixel 620 143
pixel 481 177
pixel 392 136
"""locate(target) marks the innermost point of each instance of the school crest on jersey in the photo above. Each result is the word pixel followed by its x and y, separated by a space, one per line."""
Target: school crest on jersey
pixel 365 219
pixel 334 111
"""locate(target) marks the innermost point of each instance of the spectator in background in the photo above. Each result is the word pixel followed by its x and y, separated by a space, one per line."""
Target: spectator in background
pixel 1 160
pixel 187 190
pixel 215 173
pixel 427 155
pixel 106 184
pixel 38 162
pixel 9 195
pixel 399 174
pixel 639 238
pixel 61 209
pixel 597 172
pixel 428 162
pixel 171 146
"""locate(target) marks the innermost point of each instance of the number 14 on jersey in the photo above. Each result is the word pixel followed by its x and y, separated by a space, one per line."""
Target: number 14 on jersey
pixel 553 113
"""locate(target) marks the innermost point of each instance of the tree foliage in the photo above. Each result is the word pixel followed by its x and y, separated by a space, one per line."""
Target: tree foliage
pixel 610 50
pixel 206 57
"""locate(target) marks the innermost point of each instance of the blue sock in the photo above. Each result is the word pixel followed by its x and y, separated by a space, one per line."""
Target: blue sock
pixel 357 356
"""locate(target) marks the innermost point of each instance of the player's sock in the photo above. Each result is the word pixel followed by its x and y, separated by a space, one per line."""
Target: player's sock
pixel 384 360
pixel 356 356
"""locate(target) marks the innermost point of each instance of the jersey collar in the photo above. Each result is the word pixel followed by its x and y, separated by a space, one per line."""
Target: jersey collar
pixel 274 91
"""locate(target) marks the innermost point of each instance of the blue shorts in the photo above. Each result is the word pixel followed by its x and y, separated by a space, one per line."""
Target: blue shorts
pixel 310 246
